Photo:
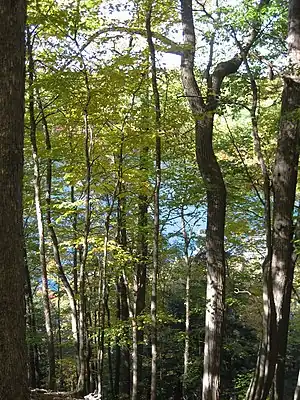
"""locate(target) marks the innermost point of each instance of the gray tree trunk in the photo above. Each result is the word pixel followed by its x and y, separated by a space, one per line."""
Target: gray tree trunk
pixel 203 109
pixel 140 295
pixel 297 389
pixel 39 217
pixel 33 350
pixel 156 216
pixel 52 232
pixel 216 203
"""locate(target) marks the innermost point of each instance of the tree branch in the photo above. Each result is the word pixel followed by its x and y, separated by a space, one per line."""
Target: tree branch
pixel 172 46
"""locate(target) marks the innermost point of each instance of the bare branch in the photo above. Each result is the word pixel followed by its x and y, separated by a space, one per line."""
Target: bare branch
pixel 172 46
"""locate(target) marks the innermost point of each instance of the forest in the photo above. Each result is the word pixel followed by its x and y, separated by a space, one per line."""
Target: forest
pixel 154 252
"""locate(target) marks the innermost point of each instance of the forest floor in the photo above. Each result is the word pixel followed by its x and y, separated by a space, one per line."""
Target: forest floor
pixel 40 394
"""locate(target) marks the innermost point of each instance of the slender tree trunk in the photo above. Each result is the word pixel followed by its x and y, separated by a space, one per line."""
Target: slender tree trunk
pixel 51 229
pixel 118 350
pixel 123 353
pixel 122 363
pixel 109 355
pixel 297 389
pixel 75 255
pixel 60 345
pixel 135 370
pixel 90 382
pixel 74 296
pixel 103 306
pixel 140 281
pixel 82 381
pixel 101 313
pixel 265 360
pixel 34 364
pixel 156 96
pixel 13 371
pixel 125 384
pixel 39 217
pixel 140 300
pixel 187 303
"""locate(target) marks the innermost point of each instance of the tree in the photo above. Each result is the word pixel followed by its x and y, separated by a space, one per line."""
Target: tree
pixel 156 206
pixel 39 216
pixel 13 385
pixel 204 109
pixel 280 268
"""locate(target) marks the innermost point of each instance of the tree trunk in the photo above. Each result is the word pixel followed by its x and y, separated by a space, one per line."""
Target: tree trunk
pixel 123 374
pixel 34 367
pixel 284 183
pixel 216 204
pixel 82 384
pixel 101 316
pixel 13 371
pixel 284 187
pixel 265 361
pixel 140 297
pixel 125 383
pixel 156 217
pixel 187 303
pixel 118 350
pixel 39 217
pixel 203 109
pixel 297 389
pixel 215 290
pixel 109 355
pixel 104 307
pixel 54 239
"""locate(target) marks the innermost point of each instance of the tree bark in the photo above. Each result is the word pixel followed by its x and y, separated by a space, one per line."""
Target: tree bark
pixel 156 216
pixel 203 110
pixel 123 375
pixel 266 351
pixel 60 343
pixel 82 384
pixel 284 183
pixel 140 292
pixel 33 351
pixel 297 389
pixel 216 205
pixel 13 371
pixel 187 259
pixel 52 232
pixel 39 217
pixel 103 305
pixel 284 187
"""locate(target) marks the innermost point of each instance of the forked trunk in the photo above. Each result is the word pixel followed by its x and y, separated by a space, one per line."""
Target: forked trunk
pixel 203 109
